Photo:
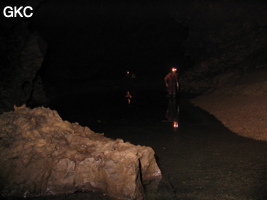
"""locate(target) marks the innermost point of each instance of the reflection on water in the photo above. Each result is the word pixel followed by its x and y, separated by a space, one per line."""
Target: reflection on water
pixel 128 96
pixel 175 124
pixel 172 113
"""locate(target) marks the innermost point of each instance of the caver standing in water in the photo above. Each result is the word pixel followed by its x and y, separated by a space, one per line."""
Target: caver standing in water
pixel 172 82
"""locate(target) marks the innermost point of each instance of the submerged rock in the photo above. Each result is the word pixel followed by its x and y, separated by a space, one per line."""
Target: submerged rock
pixel 40 154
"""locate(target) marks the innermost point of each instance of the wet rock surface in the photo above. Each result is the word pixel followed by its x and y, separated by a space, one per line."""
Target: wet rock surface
pixel 40 154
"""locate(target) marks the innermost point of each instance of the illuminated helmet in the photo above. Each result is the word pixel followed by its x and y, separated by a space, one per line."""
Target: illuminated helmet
pixel 174 69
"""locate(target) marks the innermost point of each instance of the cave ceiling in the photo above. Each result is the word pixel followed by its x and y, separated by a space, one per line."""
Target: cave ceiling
pixel 88 36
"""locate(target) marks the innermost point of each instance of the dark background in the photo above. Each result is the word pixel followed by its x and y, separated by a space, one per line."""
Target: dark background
pixel 103 39
pixel 211 42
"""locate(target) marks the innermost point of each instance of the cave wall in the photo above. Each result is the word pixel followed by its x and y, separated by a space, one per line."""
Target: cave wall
pixel 226 40
pixel 22 52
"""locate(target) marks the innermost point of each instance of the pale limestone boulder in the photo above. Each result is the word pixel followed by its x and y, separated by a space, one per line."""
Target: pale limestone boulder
pixel 40 154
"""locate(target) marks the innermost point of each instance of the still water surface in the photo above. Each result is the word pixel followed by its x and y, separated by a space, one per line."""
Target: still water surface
pixel 198 156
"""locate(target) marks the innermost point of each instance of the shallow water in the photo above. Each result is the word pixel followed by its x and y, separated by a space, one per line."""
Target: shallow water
pixel 200 159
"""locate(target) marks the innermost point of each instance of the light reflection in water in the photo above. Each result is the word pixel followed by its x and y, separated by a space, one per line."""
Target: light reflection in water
pixel 172 113
pixel 175 124
pixel 128 96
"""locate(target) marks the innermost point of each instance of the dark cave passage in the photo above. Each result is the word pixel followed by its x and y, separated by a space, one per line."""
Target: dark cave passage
pixel 102 44
pixel 73 56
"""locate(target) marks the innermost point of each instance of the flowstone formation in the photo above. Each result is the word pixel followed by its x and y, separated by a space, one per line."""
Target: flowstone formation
pixel 40 154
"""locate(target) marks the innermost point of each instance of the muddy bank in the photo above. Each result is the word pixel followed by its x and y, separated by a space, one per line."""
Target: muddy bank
pixel 240 105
